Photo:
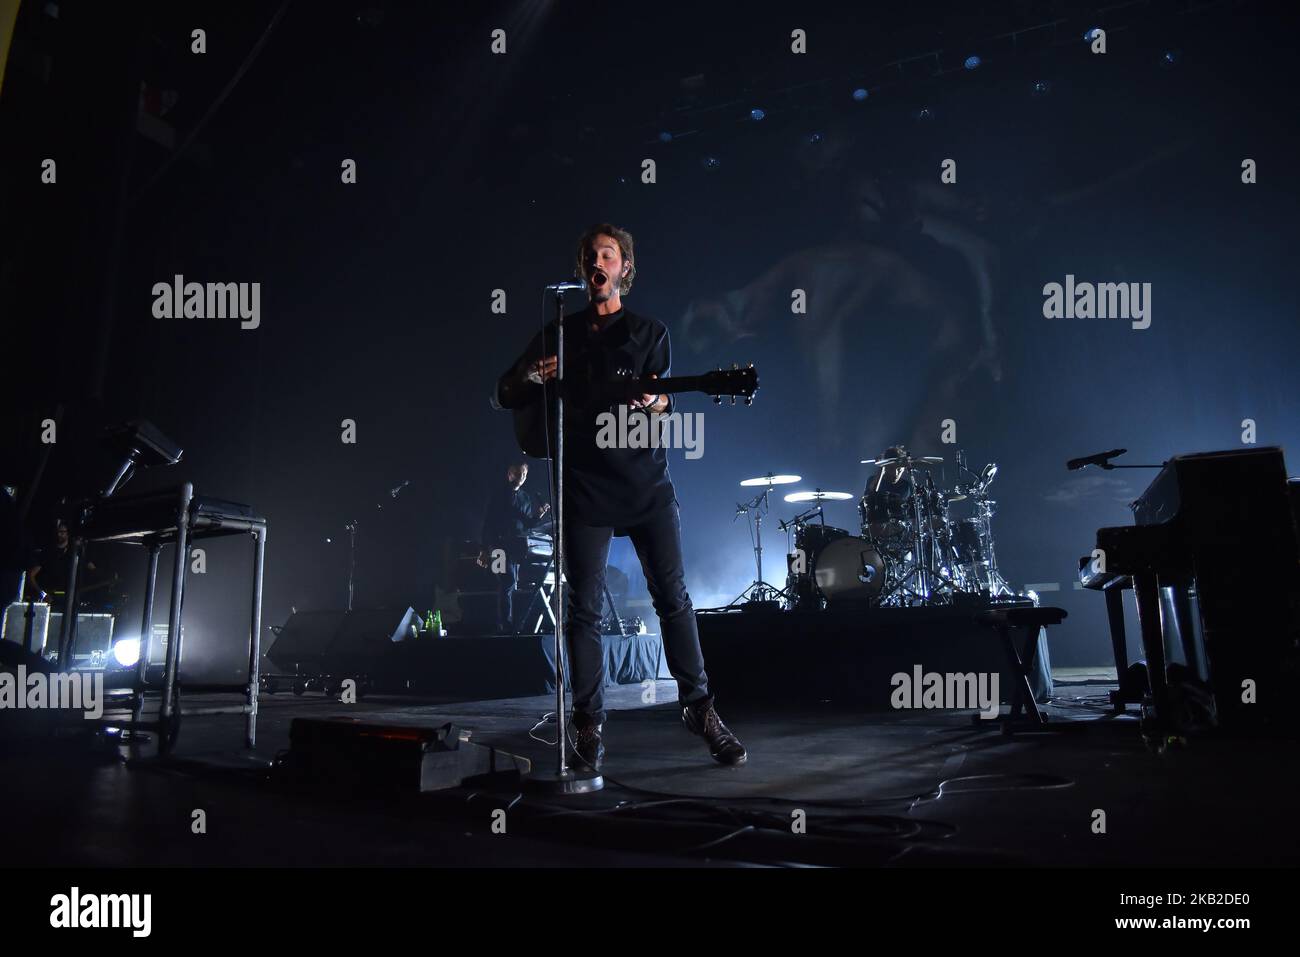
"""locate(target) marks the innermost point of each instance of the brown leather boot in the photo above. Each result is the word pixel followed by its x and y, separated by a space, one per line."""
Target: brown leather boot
pixel 702 718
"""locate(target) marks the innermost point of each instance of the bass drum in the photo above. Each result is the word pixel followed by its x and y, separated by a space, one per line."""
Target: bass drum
pixel 811 540
pixel 849 569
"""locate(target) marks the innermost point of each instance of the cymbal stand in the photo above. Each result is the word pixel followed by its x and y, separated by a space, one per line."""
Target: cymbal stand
pixel 758 590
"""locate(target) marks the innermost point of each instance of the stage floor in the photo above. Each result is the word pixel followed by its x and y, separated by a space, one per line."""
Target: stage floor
pixel 902 789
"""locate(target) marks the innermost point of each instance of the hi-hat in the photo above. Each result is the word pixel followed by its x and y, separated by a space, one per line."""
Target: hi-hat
pixel 770 479
pixel 817 496
pixel 923 459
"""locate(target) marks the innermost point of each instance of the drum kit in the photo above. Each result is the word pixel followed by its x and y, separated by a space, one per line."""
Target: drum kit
pixel 911 549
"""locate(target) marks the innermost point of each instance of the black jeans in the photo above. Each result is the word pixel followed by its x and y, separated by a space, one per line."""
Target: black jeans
pixel 658 543
pixel 506 583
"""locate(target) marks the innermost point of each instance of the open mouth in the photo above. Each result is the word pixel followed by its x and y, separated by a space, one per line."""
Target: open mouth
pixel 598 278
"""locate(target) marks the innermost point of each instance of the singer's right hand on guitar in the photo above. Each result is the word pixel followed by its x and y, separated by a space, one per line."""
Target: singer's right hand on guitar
pixel 542 370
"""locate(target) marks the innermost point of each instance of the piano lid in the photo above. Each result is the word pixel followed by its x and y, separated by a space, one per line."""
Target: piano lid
pixel 1212 488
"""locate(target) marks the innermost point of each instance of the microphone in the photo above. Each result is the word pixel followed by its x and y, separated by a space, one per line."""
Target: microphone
pixel 1101 459
pixel 569 285
pixel 405 482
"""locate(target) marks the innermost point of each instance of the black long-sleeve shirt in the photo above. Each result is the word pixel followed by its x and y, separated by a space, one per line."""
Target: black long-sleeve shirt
pixel 507 519
pixel 616 487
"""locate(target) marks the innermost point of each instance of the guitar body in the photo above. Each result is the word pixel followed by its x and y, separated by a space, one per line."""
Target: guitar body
pixel 532 419
pixel 530 425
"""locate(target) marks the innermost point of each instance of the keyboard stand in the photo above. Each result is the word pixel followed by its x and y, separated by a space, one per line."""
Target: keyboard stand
pixel 178 518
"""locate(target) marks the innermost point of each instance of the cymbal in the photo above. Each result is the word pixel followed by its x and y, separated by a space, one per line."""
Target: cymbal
pixel 818 496
pixel 770 479
pixel 923 459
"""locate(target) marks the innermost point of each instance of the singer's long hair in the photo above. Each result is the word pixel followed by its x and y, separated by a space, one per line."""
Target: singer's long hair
pixel 624 240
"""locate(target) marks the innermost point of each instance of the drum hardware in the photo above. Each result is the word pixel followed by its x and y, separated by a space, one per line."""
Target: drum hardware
pixel 802 518
pixel 923 578
pixel 759 590
pixel 910 551
pixel 977 562
pixel 909 523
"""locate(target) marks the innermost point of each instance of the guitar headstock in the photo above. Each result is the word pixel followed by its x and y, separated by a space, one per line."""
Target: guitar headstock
pixel 733 382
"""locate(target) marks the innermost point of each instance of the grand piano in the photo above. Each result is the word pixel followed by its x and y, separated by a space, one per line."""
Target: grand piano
pixel 1213 562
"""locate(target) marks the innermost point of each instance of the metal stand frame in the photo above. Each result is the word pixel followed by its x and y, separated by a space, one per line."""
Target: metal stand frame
pixel 759 590
pixel 120 520
pixel 1024 713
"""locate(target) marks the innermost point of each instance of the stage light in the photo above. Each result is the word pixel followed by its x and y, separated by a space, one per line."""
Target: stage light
pixel 711 163
pixel 1041 88
pixel 1091 34
pixel 1171 58
pixel 859 94
pixel 127 652
pixel 972 62
pixel 925 113
pixel 757 114
pixel 665 137
pixel 814 138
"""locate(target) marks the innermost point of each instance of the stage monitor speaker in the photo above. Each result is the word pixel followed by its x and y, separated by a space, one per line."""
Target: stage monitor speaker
pixel 305 639
pixel 322 642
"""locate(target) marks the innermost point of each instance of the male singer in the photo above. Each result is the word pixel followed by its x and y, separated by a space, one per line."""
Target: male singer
pixel 623 491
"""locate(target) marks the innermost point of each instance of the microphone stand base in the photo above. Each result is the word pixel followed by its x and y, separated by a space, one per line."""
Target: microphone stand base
pixel 552 782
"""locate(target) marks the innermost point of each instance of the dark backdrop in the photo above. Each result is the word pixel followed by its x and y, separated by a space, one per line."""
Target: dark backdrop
pixel 478 172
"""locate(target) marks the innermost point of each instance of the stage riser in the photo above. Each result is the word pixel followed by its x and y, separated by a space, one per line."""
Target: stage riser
pixel 476 668
pixel 845 660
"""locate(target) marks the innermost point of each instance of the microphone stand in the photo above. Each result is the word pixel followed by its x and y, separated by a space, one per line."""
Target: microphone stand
pixel 562 780
pixel 351 528
pixel 352 558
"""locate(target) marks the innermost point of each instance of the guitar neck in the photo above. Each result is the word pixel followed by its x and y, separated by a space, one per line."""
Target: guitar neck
pixel 673 385
pixel 530 418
